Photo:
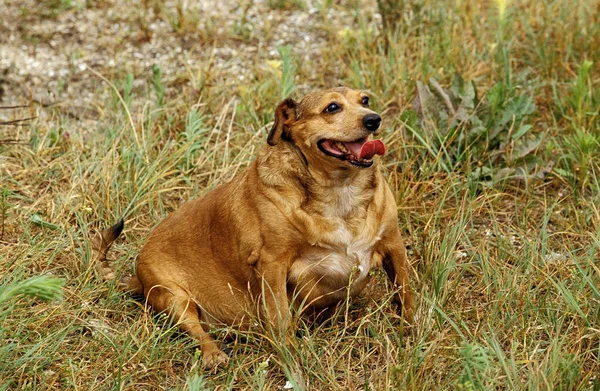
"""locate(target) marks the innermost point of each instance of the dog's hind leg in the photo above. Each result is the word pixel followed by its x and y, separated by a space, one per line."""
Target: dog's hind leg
pixel 183 310
pixel 132 285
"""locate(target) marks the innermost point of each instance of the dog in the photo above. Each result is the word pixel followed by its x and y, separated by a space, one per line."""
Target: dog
pixel 301 227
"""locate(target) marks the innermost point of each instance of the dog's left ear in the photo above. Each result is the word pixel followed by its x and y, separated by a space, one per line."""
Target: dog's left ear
pixel 285 115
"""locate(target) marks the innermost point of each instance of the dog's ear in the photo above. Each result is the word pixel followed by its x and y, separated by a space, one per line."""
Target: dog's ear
pixel 285 115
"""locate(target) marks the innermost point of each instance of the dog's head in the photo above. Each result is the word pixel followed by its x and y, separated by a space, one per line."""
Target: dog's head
pixel 333 127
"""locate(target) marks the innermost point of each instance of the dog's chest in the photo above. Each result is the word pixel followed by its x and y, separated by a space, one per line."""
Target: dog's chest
pixel 342 254
pixel 325 272
pixel 340 244
pixel 349 256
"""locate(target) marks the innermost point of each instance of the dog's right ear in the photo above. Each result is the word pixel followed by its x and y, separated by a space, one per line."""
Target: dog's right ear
pixel 285 115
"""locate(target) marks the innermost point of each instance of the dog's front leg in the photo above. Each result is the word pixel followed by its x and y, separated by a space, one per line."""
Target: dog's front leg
pixel 397 268
pixel 272 271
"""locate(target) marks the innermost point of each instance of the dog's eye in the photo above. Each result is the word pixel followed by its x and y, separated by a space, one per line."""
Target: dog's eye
pixel 332 108
pixel 365 101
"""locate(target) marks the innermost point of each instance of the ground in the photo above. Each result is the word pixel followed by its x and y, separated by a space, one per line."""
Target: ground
pixel 127 109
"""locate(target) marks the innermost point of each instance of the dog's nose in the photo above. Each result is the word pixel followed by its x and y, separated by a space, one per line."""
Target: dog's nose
pixel 371 122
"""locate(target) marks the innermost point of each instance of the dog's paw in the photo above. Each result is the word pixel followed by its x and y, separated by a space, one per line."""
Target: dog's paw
pixel 214 359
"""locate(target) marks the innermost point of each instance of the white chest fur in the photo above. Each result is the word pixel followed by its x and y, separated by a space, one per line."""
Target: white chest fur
pixel 326 272
pixel 342 254
pixel 348 256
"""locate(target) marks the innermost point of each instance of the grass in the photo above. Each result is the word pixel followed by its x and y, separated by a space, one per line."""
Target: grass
pixel 507 276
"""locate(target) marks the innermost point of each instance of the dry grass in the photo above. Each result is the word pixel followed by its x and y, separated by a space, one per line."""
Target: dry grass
pixel 508 276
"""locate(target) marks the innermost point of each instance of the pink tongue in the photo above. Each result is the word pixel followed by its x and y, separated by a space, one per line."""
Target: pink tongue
pixel 366 150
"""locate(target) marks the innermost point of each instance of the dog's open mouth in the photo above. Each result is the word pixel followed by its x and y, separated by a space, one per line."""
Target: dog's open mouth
pixel 359 152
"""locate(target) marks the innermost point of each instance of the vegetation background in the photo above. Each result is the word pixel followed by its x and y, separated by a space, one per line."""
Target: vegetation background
pixel 129 108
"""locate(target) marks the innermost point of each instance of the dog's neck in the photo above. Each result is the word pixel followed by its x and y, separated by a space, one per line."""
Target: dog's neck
pixel 323 190
pixel 297 151
pixel 328 177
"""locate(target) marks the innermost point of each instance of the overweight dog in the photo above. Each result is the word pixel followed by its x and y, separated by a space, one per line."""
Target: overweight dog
pixel 301 227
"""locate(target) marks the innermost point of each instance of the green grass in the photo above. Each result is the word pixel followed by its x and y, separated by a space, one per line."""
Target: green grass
pixel 507 276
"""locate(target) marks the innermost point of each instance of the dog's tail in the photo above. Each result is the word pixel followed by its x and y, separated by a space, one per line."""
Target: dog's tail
pixel 100 245
pixel 103 240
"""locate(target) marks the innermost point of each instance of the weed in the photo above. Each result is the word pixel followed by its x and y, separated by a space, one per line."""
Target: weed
pixel 157 85
pixel 183 19
pixel 286 4
pixel 277 81
pixel 288 71
pixel 579 109
pixel 196 382
pixel 4 206
pixel 42 287
pixel 490 139
pixel 476 363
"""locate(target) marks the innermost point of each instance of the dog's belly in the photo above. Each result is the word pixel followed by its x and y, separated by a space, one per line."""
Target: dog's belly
pixel 321 277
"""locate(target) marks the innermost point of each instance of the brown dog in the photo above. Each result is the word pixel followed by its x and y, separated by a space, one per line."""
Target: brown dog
pixel 302 226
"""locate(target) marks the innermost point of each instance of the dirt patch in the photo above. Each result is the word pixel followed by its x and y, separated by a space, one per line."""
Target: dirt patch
pixel 48 47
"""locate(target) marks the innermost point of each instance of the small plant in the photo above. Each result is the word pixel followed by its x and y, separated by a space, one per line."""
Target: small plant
pixel 122 95
pixel 45 288
pixel 580 154
pixel 243 26
pixel 53 8
pixel 569 372
pixel 196 382
pixel 157 85
pixel 287 4
pixel 490 139
pixel 288 71
pixel 277 82
pixel 476 365
pixel 581 104
pixel 4 205
pixel 183 20
pixel 580 148
pixel 192 138
pixel 12 290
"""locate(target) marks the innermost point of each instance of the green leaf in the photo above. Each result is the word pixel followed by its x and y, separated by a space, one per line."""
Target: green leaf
pixel 521 131
pixel 45 288
pixel 409 118
pixel 475 133
pixel 37 220
pixel 564 173
pixel 503 173
pixel 424 102
pixel 495 97
pixel 513 113
pixel 468 98
pixel 444 97
pixel 458 84
pixel 526 148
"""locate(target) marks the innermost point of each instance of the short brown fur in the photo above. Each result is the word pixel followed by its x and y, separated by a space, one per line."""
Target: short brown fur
pixel 295 228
